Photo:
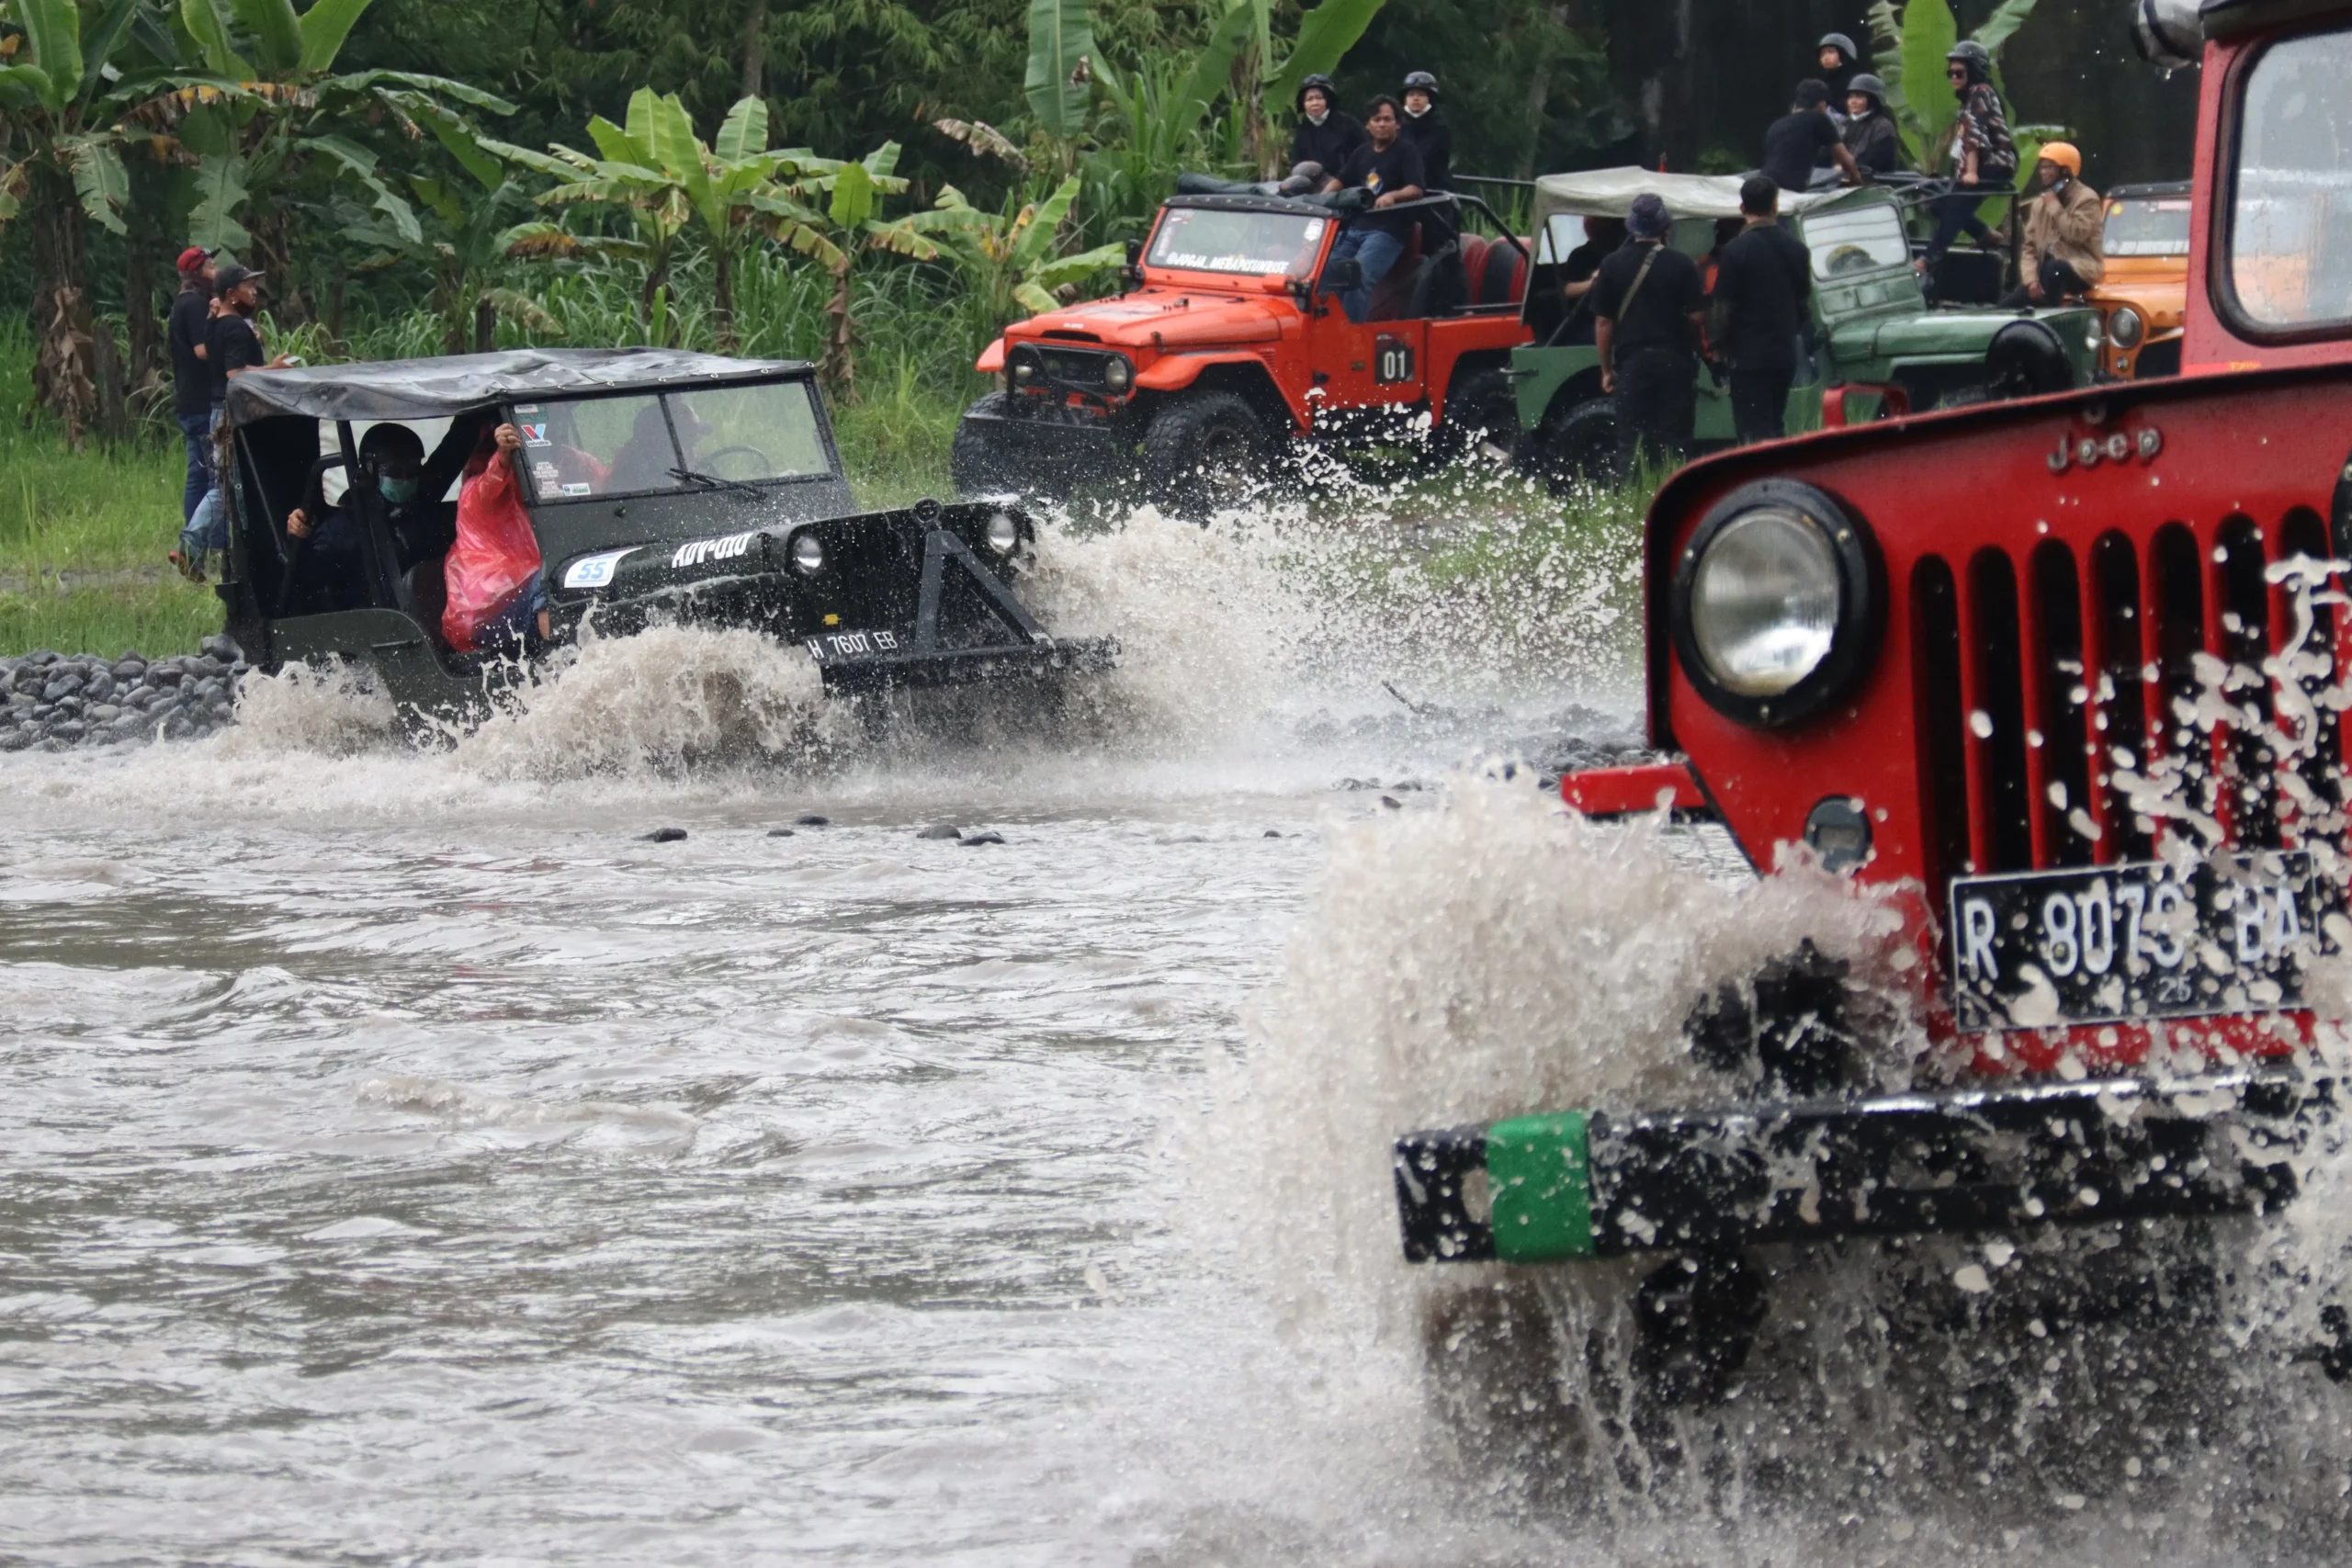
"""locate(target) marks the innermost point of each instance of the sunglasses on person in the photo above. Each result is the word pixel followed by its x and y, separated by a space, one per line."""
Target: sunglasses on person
pixel 1956 71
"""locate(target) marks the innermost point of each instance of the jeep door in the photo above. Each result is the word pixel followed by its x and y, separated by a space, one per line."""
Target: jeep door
pixel 1375 363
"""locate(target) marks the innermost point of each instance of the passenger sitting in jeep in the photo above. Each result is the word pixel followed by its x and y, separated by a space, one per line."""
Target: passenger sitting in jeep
pixel 329 566
pixel 1389 168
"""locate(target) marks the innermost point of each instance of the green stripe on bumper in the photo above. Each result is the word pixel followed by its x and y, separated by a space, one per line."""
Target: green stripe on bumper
pixel 1539 1172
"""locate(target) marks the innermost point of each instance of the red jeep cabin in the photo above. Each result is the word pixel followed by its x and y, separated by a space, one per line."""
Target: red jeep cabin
pixel 1227 349
pixel 2063 677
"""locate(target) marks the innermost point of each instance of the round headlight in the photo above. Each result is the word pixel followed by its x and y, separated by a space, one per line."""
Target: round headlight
pixel 1764 601
pixel 1004 534
pixel 2125 328
pixel 808 554
pixel 1023 372
pixel 1774 604
pixel 1120 374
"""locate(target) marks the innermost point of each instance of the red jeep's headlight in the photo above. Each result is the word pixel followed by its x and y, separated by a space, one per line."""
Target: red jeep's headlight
pixel 1775 603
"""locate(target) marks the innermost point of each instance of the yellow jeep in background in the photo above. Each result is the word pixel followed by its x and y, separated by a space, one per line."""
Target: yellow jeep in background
pixel 2140 298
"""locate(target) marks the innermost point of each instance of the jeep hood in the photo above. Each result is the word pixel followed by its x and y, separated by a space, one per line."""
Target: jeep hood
pixel 1949 334
pixel 1163 318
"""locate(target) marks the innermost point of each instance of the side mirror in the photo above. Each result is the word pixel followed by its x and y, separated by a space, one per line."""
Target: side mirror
pixel 1134 251
pixel 1341 276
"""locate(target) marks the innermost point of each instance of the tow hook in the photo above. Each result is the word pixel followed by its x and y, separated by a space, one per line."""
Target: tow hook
pixel 1697 1318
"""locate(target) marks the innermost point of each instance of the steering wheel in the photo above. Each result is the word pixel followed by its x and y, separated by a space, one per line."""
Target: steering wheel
pixel 710 461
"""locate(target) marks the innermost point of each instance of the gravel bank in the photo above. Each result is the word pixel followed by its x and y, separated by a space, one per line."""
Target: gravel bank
pixel 59 700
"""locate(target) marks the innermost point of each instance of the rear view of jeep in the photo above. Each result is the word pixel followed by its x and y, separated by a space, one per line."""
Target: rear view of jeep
pixel 2060 682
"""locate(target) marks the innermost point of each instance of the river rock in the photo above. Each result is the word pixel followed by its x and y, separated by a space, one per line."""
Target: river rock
pixel 985 836
pixel 941 830
pixel 56 701
pixel 223 648
pixel 779 832
pixel 665 835
pixel 810 819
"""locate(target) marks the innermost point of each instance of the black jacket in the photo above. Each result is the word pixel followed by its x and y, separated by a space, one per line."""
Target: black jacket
pixel 1433 139
pixel 1330 143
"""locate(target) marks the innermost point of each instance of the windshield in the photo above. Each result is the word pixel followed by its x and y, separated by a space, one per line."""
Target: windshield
pixel 2290 217
pixel 2145 227
pixel 1863 238
pixel 1207 239
pixel 589 446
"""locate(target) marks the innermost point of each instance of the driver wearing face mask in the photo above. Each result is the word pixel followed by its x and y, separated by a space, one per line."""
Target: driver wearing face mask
pixel 392 463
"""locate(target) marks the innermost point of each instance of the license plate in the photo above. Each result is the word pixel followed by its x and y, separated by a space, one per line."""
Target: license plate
pixel 2140 940
pixel 839 648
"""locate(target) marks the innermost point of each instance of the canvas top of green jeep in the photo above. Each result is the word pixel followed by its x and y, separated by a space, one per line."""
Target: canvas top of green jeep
pixel 1873 332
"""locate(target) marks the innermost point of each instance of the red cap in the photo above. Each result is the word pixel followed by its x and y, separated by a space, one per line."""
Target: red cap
pixel 193 258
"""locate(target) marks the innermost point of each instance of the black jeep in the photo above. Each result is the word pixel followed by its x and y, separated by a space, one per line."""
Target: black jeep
pixel 662 485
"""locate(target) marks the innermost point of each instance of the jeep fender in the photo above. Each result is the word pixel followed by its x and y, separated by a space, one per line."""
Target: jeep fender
pixel 992 359
pixel 1233 372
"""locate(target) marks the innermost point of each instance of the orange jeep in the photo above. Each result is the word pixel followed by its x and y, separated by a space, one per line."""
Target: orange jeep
pixel 2140 298
pixel 1229 351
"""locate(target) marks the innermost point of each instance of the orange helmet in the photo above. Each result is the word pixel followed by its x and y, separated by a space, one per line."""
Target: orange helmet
pixel 2066 154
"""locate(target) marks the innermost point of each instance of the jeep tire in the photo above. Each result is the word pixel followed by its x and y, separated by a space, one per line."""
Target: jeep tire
pixel 980 463
pixel 1203 451
pixel 1482 406
pixel 1584 445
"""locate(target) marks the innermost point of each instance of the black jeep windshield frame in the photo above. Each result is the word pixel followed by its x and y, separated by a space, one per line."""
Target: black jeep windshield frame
pixel 737 436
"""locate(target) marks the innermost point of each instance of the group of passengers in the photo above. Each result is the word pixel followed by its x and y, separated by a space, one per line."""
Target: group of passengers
pixel 1399 152
pixel 1655 315
pixel 486 556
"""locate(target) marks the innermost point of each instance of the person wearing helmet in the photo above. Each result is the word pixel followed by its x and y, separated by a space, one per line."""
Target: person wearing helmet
pixel 1428 132
pixel 1327 136
pixel 1984 158
pixel 2065 228
pixel 1839 57
pixel 1870 134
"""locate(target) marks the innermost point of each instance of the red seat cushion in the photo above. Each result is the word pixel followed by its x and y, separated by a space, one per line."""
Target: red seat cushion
pixel 1502 278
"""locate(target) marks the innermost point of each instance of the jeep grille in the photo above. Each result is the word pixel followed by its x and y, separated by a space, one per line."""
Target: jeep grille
pixel 2032 673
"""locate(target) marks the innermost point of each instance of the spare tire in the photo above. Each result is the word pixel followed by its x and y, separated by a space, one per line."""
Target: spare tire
pixel 2025 359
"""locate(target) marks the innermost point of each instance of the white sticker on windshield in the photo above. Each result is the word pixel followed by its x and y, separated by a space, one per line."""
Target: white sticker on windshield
pixel 1314 230
pixel 580 486
pixel 594 572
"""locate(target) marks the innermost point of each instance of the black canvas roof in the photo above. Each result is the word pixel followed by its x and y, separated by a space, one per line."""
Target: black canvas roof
pixel 425 388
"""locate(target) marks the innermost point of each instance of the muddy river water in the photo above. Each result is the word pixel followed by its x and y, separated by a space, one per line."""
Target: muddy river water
pixel 404 1160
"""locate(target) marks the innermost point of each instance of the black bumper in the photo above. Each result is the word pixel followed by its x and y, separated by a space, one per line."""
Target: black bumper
pixel 1588 1184
pixel 1053 441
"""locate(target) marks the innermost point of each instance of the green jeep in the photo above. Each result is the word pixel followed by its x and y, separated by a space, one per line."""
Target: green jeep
pixel 1878 348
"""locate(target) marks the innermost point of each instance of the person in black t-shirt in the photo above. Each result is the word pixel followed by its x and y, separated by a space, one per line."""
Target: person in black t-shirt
pixel 1792 142
pixel 1648 308
pixel 1387 166
pixel 232 347
pixel 191 377
pixel 1326 135
pixel 1762 283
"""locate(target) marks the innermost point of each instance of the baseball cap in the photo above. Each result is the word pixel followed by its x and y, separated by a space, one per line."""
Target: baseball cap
pixel 228 276
pixel 193 258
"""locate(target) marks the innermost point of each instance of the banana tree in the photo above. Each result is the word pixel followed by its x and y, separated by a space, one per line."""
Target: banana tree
pixel 465 237
pixel 668 183
pixel 1255 79
pixel 274 131
pixel 1008 258
pixel 62 79
pixel 828 210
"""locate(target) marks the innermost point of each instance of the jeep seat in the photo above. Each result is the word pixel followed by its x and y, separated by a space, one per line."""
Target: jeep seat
pixel 1494 271
pixel 424 594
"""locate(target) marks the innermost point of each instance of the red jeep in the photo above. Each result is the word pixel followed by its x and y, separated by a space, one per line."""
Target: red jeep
pixel 2062 679
pixel 1229 346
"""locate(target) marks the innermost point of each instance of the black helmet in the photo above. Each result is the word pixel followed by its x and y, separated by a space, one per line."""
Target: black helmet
pixel 1841 42
pixel 1867 83
pixel 1975 56
pixel 1319 82
pixel 1421 82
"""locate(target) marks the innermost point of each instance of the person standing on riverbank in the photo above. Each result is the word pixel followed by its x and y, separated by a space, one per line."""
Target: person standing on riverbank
pixel 1761 286
pixel 231 346
pixel 1648 312
pixel 191 377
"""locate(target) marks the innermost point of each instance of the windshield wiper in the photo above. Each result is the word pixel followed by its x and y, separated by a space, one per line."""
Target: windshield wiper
pixel 712 482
